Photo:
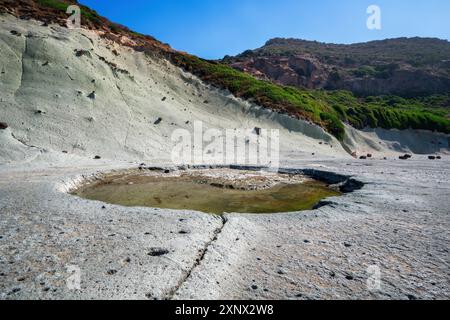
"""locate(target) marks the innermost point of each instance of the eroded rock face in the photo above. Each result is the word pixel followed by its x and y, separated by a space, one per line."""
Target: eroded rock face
pixel 297 70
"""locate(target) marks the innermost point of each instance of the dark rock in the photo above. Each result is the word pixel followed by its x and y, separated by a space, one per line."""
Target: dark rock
pixel 349 277
pixel 347 245
pixel 163 99
pixel 3 126
pixel 91 95
pixel 254 287
pixel 15 33
pixel 438 157
pixel 363 157
pixel 257 131
pixel 97 157
pixel 369 155
pixel 45 63
pixel 157 252
pixel 111 272
pixel 80 53
pixel 405 157
pixel 158 121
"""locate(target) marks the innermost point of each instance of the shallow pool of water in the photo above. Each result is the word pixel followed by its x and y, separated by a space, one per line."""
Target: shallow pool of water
pixel 199 194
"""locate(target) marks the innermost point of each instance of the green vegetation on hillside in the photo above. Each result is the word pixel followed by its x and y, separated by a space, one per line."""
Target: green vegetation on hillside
pixel 86 13
pixel 417 51
pixel 326 108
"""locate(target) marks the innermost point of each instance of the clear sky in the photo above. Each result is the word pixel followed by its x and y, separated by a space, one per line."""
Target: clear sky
pixel 214 28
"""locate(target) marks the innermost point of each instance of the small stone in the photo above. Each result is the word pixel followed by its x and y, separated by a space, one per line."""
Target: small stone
pixel 91 95
pixel 347 245
pixel 80 53
pixel 157 252
pixel 97 157
pixel 254 287
pixel 111 272
pixel 349 277
pixel 3 126
pixel 158 121
pixel 164 99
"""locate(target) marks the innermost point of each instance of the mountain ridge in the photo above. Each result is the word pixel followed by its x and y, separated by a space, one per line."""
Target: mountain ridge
pixel 327 109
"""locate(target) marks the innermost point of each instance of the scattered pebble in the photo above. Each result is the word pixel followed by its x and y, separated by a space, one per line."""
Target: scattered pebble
pixel 157 252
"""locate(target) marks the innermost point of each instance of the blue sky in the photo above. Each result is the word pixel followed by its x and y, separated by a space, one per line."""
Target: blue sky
pixel 214 28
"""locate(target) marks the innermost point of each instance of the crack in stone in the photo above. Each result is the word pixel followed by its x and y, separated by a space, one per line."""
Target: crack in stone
pixel 23 66
pixel 23 142
pixel 198 260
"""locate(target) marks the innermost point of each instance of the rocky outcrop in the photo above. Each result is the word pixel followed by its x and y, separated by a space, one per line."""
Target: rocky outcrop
pixel 404 66
pixel 302 71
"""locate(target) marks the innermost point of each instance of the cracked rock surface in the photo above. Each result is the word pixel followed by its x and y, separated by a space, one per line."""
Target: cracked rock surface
pixel 398 222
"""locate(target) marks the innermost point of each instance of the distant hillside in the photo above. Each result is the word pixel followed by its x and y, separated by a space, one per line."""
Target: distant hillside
pixel 405 66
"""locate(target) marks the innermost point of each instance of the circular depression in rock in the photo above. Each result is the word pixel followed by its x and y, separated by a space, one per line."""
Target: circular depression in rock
pixel 214 191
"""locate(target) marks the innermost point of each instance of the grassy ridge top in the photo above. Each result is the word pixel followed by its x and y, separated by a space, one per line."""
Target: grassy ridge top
pixel 329 109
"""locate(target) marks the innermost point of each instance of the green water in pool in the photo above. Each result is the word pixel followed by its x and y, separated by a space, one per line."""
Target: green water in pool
pixel 190 193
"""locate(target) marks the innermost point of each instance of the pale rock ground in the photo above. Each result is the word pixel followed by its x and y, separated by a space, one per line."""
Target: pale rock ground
pixel 399 221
